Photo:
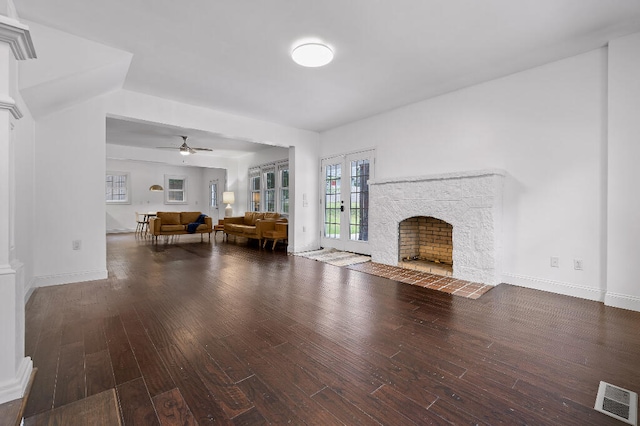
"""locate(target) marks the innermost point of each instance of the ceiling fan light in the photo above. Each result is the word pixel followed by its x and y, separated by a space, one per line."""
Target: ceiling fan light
pixel 312 55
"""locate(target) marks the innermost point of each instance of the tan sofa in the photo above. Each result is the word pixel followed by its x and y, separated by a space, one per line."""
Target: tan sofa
pixel 175 223
pixel 252 224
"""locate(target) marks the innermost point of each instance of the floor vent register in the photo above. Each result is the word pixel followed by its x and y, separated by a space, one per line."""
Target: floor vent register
pixel 619 403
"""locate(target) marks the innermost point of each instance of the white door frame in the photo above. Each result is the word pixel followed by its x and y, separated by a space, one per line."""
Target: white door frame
pixel 346 239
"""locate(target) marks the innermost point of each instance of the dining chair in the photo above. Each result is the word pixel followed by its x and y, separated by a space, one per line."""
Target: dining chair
pixel 142 223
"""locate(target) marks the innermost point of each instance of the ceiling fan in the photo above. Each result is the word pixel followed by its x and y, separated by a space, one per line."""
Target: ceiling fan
pixel 184 148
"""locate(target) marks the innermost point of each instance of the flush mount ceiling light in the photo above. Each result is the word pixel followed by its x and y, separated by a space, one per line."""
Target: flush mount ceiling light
pixel 312 55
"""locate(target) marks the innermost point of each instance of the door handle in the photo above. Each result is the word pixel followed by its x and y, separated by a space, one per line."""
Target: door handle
pixel 341 206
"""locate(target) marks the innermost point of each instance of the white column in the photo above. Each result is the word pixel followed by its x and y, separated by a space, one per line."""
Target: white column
pixel 15 368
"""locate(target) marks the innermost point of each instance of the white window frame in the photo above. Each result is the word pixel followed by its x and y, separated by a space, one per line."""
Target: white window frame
pixel 265 190
pixel 281 188
pixel 168 191
pixel 127 177
pixel 253 173
pixel 260 171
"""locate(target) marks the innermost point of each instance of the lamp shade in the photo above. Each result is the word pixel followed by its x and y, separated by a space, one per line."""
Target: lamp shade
pixel 228 198
pixel 156 188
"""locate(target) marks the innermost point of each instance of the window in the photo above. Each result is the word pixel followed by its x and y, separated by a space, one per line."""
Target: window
pixel 254 190
pixel 269 188
pixel 175 189
pixel 283 171
pixel 117 188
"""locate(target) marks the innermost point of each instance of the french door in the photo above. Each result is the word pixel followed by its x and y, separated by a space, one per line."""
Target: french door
pixel 345 201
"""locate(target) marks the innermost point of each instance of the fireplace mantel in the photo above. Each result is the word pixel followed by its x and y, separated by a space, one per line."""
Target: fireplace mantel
pixel 442 176
pixel 471 201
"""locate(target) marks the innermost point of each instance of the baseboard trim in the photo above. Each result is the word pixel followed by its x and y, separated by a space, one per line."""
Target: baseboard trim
pixel 120 231
pixel 49 280
pixel 623 301
pixel 14 389
pixel 557 287
pixel 29 292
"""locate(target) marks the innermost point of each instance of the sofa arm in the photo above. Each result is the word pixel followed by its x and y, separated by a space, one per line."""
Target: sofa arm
pixel 209 222
pixel 263 225
pixel 282 227
pixel 154 225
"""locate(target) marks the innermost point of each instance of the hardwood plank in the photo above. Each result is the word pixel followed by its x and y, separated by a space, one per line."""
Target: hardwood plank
pixel 125 366
pixel 343 409
pixel 250 418
pixel 172 410
pixel 137 408
pixel 72 332
pixel 70 381
pixel 269 405
pixel 153 371
pixel 235 369
pixel 202 403
pixel 46 360
pixel 229 396
pixel 99 409
pixel 99 373
pixel 407 407
pixel 94 337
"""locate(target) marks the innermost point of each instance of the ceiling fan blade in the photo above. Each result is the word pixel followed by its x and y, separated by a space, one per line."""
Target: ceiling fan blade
pixel 167 147
pixel 201 149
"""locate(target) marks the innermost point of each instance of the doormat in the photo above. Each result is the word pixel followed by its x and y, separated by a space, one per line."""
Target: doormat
pixel 335 257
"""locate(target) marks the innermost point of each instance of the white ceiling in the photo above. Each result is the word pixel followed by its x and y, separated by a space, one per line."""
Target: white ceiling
pixel 234 55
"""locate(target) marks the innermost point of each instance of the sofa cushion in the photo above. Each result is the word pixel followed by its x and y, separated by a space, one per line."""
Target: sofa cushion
pixel 171 228
pixel 188 217
pixel 169 218
pixel 251 217
pixel 202 227
pixel 271 215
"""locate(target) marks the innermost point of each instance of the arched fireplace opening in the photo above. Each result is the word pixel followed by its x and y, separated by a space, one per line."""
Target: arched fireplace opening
pixel 426 244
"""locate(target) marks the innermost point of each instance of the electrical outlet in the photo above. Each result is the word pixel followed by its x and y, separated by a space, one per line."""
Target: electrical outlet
pixel 75 244
pixel 578 264
pixel 555 262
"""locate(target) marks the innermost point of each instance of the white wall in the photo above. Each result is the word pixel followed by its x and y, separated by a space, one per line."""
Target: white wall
pixel 623 267
pixel 546 128
pixel 121 217
pixel 24 149
pixel 69 180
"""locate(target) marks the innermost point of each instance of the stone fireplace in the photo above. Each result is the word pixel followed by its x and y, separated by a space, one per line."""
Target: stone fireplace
pixel 467 205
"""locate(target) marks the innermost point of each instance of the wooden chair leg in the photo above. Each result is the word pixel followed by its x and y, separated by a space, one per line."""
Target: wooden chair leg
pixel 273 247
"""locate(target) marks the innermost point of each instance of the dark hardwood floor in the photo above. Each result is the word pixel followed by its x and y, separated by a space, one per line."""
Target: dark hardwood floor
pixel 197 333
